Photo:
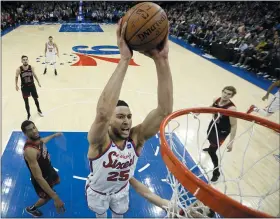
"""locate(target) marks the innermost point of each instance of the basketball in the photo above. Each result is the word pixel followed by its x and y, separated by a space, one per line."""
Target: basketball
pixel 147 26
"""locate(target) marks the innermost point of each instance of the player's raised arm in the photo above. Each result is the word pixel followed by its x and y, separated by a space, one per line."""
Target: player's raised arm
pixel 98 133
pixel 150 125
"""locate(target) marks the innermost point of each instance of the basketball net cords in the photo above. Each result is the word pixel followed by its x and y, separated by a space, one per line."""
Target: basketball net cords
pixel 181 198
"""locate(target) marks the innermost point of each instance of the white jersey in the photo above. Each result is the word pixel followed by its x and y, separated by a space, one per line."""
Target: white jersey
pixel 111 171
pixel 51 48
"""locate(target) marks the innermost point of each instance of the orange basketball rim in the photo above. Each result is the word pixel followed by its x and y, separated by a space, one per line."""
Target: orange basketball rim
pixel 210 197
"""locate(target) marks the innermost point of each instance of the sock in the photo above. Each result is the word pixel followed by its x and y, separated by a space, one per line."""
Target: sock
pixel 114 215
pixel 101 215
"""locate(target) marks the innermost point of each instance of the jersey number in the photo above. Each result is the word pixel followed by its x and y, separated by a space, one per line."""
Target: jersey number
pixel 27 79
pixel 118 176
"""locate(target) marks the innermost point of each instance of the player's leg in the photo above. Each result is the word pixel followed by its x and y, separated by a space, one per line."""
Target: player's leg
pixel 119 203
pixel 98 203
pixel 35 97
pixel 215 139
pixel 212 153
pixel 273 106
pixel 54 63
pixel 25 94
pixel 34 209
pixel 53 179
pixel 43 199
pixel 47 60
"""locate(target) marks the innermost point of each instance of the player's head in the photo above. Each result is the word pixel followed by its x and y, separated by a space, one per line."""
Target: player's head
pixel 228 92
pixel 30 130
pixel 121 120
pixel 50 38
pixel 24 60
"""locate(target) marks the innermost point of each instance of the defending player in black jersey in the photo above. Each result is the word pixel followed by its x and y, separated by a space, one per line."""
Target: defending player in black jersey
pixel 27 75
pixel 43 175
pixel 225 125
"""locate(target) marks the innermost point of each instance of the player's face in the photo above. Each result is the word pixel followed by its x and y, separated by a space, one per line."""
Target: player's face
pixel 226 94
pixel 32 132
pixel 50 39
pixel 24 61
pixel 121 122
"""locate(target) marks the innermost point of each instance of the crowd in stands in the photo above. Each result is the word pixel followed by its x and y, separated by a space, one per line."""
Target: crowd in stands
pixel 245 34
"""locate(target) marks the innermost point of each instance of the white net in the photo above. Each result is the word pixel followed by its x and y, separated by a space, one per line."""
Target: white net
pixel 249 173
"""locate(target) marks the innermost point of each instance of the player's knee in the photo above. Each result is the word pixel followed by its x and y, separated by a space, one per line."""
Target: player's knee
pixel 97 209
pixel 122 209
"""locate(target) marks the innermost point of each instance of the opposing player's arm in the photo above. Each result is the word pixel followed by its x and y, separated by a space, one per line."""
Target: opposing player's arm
pixel 98 133
pixel 50 137
pixel 16 79
pixel 35 76
pixel 30 155
pixel 144 191
pixel 151 124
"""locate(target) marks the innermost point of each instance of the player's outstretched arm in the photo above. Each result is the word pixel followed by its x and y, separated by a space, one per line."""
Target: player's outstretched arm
pixel 150 125
pixel 144 191
pixel 98 133
pixel 50 137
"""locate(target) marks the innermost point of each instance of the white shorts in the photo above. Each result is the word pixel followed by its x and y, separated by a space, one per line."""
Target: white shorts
pixel 274 104
pixel 118 203
pixel 50 57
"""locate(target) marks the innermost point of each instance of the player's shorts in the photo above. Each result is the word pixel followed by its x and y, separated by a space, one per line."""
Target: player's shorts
pixel 53 179
pixel 100 203
pixel 274 104
pixel 29 90
pixel 50 57
pixel 217 138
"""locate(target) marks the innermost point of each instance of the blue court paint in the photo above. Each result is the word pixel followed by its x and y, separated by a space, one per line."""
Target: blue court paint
pixel 80 28
pixel 8 30
pixel 246 75
pixel 69 156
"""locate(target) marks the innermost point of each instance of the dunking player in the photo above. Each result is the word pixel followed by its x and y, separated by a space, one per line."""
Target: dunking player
pixel 26 73
pixel 274 104
pixel 114 146
pixel 51 50
pixel 225 125
pixel 43 175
